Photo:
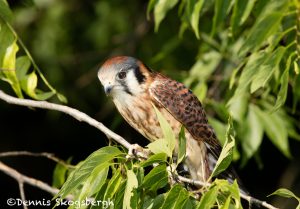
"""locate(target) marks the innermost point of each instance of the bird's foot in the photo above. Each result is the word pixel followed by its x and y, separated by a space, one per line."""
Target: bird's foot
pixel 136 151
pixel 172 174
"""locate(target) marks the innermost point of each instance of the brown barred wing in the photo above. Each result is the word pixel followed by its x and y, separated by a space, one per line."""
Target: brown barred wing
pixel 186 108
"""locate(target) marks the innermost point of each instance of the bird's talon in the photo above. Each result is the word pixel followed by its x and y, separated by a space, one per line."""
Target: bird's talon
pixel 136 150
pixel 172 174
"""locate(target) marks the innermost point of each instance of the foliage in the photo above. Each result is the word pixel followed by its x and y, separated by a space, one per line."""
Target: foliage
pixel 253 46
pixel 141 190
pixel 246 65
pixel 138 189
pixel 248 56
pixel 288 194
pixel 16 69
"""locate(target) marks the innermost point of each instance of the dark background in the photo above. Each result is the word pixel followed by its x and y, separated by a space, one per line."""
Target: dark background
pixel 69 40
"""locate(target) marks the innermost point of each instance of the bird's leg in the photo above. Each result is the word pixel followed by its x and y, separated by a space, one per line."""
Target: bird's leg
pixel 172 174
pixel 136 151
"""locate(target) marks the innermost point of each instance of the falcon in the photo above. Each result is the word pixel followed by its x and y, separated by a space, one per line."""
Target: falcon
pixel 135 88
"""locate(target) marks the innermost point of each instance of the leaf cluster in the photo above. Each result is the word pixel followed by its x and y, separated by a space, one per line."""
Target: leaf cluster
pixel 247 65
pixel 130 186
pixel 20 71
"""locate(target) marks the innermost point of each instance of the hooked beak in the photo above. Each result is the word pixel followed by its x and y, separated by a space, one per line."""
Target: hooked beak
pixel 107 89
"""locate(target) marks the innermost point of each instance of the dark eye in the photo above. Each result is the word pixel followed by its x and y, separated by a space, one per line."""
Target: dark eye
pixel 122 75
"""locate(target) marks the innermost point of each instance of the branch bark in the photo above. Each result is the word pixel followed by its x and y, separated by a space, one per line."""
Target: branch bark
pixel 80 116
pixel 110 134
pixel 47 155
pixel 26 179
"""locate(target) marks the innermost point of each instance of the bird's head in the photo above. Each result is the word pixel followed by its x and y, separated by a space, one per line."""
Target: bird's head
pixel 123 75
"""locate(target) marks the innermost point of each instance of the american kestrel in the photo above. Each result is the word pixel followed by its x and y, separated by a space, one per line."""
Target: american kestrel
pixel 135 88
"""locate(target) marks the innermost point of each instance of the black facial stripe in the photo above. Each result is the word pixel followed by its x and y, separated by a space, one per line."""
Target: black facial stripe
pixel 126 89
pixel 139 75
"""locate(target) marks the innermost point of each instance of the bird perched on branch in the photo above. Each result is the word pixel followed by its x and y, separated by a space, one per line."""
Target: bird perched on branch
pixel 134 88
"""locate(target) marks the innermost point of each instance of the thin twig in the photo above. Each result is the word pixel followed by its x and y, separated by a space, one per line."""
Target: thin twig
pixel 22 193
pixel 85 118
pixel 31 181
pixel 47 155
pixel 21 179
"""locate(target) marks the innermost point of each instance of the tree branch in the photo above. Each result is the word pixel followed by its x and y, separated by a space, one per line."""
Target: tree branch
pixel 47 155
pixel 22 193
pixel 25 179
pixel 21 179
pixel 110 134
pixel 67 110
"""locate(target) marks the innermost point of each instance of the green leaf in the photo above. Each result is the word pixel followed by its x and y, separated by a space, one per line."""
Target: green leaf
pixel 238 108
pixel 129 195
pixel 154 203
pixel 194 18
pixel 113 185
pixel 100 197
pixel 119 197
pixel 241 11
pixel 150 7
pixel 156 158
pixel 84 170
pixel 252 137
pixel 235 193
pixel 284 82
pixel 247 11
pixel 62 98
pixel 169 136
pixel 248 73
pixel 220 129
pixel 9 59
pixel 140 175
pixel 175 197
pixel 22 66
pixel 233 76
pixel 222 7
pixel 9 68
pixel 296 92
pixel 226 204
pixel 204 67
pixel 190 203
pixel 5 12
pixel 181 145
pixel 285 193
pixel 160 146
pixel 261 31
pixel 29 84
pixel 209 198
pixel 226 155
pixel 40 95
pixel 94 182
pixel 157 178
pixel 160 10
pixel 266 70
pixel 296 67
pixel 275 129
pixel 200 91
pixel 59 175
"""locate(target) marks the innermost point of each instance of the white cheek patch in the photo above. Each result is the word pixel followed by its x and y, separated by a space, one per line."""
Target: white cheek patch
pixel 132 83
